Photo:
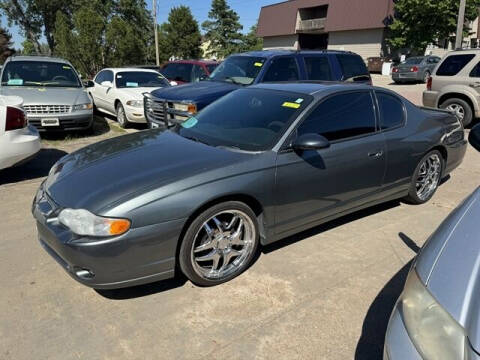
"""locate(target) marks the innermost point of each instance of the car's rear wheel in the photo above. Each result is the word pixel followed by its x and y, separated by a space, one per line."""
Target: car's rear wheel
pixel 219 244
pixel 426 178
pixel 461 108
pixel 121 116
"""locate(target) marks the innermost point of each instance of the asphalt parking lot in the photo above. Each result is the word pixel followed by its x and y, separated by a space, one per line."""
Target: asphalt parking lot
pixel 323 294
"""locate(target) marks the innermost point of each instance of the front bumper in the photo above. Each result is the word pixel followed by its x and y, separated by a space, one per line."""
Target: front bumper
pixel 18 145
pixel 398 345
pixel 141 255
pixel 135 114
pixel 78 120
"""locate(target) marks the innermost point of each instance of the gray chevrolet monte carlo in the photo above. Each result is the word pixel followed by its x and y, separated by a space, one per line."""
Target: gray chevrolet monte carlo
pixel 257 165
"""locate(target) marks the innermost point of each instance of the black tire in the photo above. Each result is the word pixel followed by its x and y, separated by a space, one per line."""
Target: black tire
pixel 413 197
pixel 188 242
pixel 426 76
pixel 121 116
pixel 462 105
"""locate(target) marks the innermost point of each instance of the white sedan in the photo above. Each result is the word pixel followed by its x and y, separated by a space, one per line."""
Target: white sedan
pixel 18 140
pixel 118 92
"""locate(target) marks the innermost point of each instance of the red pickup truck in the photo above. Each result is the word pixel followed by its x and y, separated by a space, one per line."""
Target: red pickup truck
pixel 186 71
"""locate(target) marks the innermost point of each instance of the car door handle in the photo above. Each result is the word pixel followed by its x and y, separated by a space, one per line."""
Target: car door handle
pixel 376 154
pixel 474 85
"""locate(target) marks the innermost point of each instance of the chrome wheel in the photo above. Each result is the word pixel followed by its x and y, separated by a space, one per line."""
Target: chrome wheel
pixel 458 110
pixel 121 117
pixel 428 176
pixel 223 244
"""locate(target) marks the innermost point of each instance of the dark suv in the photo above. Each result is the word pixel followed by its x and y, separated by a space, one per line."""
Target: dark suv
pixel 176 104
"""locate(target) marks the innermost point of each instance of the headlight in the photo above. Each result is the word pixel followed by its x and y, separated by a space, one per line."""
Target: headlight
pixel 135 103
pixel 434 332
pixel 191 108
pixel 82 107
pixel 83 222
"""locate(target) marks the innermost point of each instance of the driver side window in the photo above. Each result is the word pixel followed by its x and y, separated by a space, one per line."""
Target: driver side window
pixel 282 69
pixel 341 117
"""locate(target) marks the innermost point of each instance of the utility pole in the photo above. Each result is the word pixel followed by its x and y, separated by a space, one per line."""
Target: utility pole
pixel 461 20
pixel 154 5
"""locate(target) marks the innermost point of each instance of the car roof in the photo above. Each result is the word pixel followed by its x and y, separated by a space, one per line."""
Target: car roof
pixel 115 70
pixel 195 62
pixel 37 58
pixel 313 88
pixel 279 52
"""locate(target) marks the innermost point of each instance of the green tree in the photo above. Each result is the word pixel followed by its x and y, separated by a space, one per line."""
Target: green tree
pixel 222 31
pixel 103 33
pixel 6 46
pixel 418 23
pixel 251 41
pixel 36 17
pixel 181 34
pixel 27 47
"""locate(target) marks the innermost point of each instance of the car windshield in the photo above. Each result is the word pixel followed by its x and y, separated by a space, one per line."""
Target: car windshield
pixel 178 71
pixel 413 61
pixel 241 70
pixel 211 67
pixel 39 73
pixel 265 116
pixel 133 79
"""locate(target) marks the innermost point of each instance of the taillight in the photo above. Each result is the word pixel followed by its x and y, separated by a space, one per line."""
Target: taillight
pixel 395 70
pixel 16 119
pixel 414 69
pixel 429 83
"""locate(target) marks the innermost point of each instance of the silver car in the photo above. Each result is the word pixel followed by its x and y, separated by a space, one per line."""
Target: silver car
pixel 54 97
pixel 418 68
pixel 437 315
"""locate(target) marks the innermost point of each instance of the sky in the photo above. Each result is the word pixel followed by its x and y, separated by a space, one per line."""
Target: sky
pixel 248 10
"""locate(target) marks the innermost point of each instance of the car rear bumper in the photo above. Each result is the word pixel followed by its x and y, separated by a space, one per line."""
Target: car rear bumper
pixel 80 120
pixel 430 98
pixel 18 145
pixel 142 255
pixel 410 76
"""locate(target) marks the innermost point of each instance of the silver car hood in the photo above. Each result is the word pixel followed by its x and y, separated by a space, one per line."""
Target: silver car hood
pixel 450 266
pixel 47 95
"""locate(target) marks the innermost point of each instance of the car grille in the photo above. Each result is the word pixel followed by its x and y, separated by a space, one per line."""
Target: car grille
pixel 47 109
pixel 155 109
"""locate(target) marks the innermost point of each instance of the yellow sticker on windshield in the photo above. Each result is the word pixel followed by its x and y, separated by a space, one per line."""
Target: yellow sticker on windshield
pixel 258 64
pixel 291 105
pixel 66 67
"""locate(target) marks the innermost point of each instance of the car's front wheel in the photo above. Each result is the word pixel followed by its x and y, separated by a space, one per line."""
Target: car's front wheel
pixel 121 116
pixel 219 244
pixel 426 178
pixel 461 108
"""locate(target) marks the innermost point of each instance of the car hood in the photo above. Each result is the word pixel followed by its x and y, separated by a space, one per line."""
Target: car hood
pixel 47 95
pixel 137 93
pixel 454 278
pixel 198 91
pixel 116 170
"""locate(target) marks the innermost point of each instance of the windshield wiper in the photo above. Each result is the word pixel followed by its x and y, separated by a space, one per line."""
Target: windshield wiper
pixel 193 138
pixel 229 78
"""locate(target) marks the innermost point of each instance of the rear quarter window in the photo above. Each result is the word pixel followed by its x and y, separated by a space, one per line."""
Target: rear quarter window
pixel 391 111
pixel 453 64
pixel 352 66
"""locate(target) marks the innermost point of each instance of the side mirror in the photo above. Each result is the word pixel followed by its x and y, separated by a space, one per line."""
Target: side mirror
pixel 310 142
pixel 88 84
pixel 474 137
pixel 107 84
